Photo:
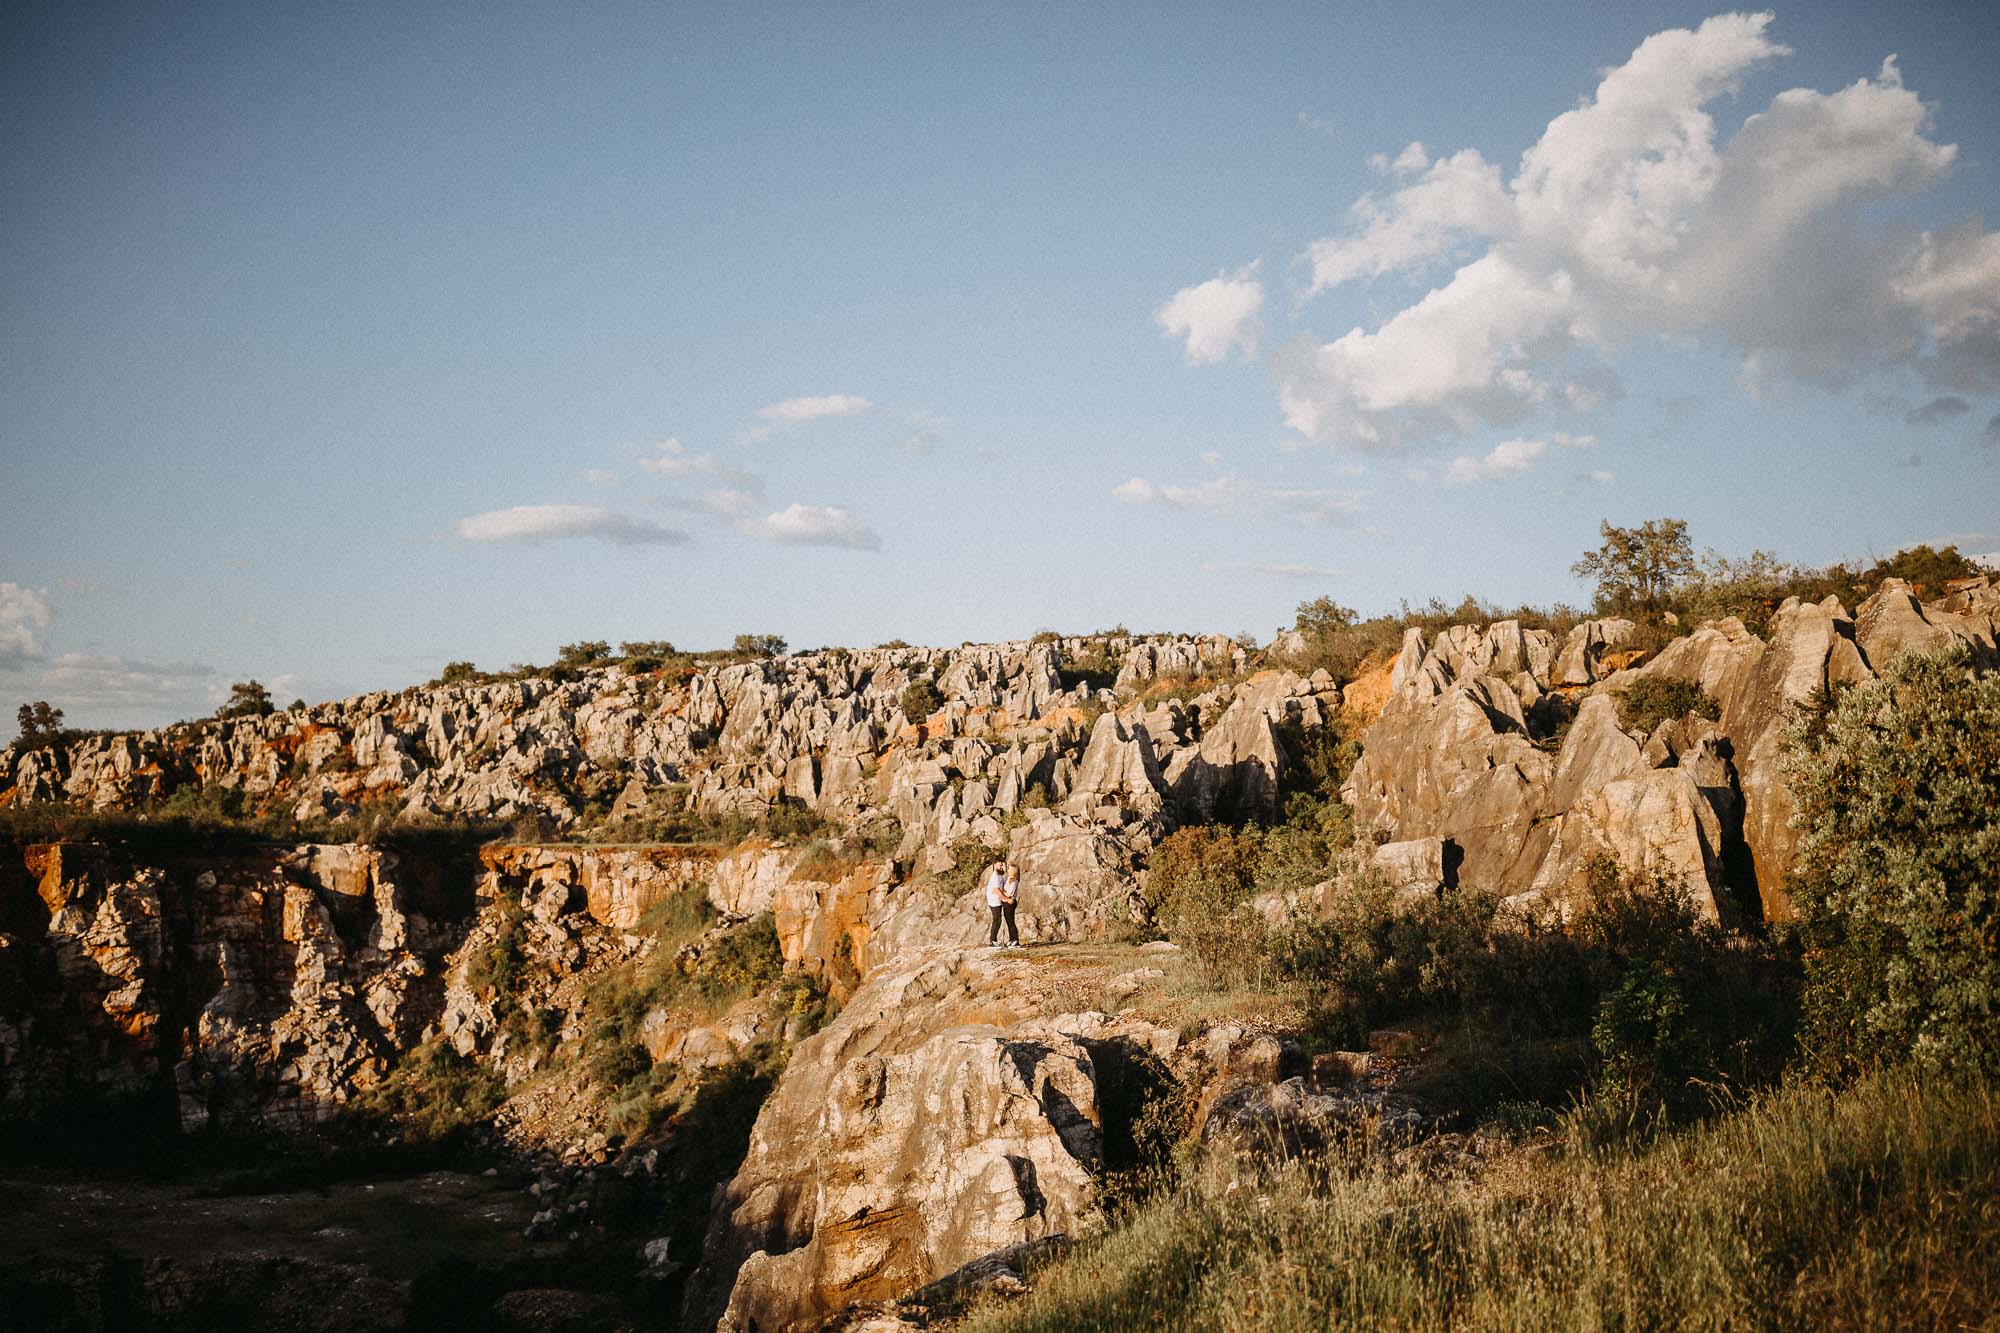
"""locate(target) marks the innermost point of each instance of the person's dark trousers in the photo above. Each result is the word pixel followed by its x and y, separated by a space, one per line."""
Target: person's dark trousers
pixel 1013 935
pixel 993 929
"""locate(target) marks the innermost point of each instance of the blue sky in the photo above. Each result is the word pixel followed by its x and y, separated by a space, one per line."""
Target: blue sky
pixel 342 341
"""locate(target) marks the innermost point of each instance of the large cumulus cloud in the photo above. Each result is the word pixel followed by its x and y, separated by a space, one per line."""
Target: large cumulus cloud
pixel 1629 218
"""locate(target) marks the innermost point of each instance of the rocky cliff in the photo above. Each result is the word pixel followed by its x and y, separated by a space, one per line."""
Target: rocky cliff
pixel 961 1103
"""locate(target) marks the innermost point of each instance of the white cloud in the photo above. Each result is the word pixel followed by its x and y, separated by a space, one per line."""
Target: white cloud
pixel 1231 494
pixel 1628 218
pixel 1506 459
pixel 1216 318
pixel 1568 441
pixel 1603 476
pixel 106 691
pixel 671 458
pixel 814 525
pixel 557 522
pixel 1457 199
pixel 600 476
pixel 25 616
pixel 794 410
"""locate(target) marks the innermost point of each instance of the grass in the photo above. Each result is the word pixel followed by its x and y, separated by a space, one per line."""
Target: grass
pixel 1877 1206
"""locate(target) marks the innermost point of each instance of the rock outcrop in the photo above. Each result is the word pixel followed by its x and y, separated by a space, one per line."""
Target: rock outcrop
pixel 1516 753
pixel 937 1120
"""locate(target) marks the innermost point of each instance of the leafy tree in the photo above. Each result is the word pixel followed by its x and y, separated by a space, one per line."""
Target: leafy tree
pixel 760 645
pixel 247 698
pixel 1929 570
pixel 577 656
pixel 1323 617
pixel 40 724
pixel 647 648
pixel 1637 569
pixel 458 673
pixel 1896 783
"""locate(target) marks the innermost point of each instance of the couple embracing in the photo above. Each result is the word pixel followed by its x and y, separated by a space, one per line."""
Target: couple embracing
pixel 1003 890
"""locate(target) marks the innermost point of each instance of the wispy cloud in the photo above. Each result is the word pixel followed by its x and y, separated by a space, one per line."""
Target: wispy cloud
pixel 562 522
pixel 1231 494
pixel 671 458
pixel 1276 570
pixel 794 410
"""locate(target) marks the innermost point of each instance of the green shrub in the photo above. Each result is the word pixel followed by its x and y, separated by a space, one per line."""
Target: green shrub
pixel 434 1091
pixel 741 961
pixel 1652 700
pixel 1200 879
pixel 613 1064
pixel 496 968
pixel 1096 669
pixel 970 857
pixel 920 700
pixel 1896 787
pixel 1642 1035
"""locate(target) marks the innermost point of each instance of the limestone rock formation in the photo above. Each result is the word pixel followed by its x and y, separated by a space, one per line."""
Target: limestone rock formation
pixel 934 1122
pixel 264 985
pixel 1485 742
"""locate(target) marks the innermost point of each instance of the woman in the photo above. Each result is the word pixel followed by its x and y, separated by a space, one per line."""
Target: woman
pixel 996 901
pixel 1010 894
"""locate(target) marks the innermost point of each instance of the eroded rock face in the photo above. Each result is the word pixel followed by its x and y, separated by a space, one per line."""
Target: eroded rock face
pixel 271 985
pixel 937 1120
pixel 1465 747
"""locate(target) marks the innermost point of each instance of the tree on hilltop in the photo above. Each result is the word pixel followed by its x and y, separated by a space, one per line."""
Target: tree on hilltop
pixel 247 698
pixel 588 653
pixel 1322 618
pixel 760 645
pixel 1637 569
pixel 41 724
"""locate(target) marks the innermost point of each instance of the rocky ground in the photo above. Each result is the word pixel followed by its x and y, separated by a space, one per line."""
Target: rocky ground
pixel 963 1105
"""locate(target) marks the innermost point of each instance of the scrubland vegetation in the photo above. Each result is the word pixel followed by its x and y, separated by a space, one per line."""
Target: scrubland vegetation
pixel 1868 1206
